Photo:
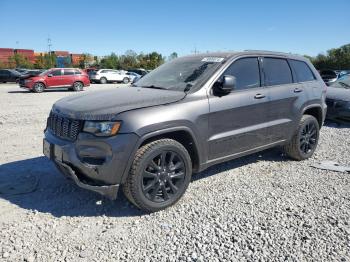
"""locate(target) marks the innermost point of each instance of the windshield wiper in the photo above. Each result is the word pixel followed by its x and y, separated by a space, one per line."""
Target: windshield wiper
pixel 154 87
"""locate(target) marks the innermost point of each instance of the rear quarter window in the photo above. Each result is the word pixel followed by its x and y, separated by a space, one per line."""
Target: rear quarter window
pixel 302 71
pixel 68 72
pixel 276 71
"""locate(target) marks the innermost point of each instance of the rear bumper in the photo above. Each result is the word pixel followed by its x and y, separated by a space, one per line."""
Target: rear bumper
pixel 94 163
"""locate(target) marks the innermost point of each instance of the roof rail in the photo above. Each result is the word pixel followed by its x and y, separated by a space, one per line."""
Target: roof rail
pixel 266 51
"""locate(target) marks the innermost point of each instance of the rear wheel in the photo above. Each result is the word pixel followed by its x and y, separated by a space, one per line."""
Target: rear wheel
pixel 38 87
pixel 304 141
pixel 126 80
pixel 159 176
pixel 78 86
pixel 103 80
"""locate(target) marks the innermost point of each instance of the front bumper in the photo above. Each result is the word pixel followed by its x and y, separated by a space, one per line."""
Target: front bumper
pixel 93 163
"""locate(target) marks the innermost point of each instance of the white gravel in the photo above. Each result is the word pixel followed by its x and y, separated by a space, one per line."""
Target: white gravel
pixel 262 207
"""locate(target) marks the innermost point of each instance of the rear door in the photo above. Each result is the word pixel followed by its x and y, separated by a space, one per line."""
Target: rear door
pixel 237 120
pixel 68 77
pixel 55 79
pixel 286 98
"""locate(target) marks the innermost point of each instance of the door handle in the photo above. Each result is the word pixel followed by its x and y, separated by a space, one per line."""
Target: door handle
pixel 298 90
pixel 259 96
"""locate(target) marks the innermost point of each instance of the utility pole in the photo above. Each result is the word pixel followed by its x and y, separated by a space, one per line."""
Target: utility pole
pixel 49 44
pixel 195 51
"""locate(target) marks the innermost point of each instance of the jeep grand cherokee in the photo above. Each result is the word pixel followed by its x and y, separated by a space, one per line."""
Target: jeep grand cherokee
pixel 184 116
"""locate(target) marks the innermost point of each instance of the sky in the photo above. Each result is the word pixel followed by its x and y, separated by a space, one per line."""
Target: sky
pixel 183 26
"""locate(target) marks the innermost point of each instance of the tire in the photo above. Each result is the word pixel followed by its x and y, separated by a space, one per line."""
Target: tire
pixel 126 80
pixel 159 176
pixel 78 86
pixel 38 87
pixel 103 80
pixel 304 142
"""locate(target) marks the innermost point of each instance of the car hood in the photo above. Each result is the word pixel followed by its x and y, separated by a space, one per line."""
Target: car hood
pixel 337 93
pixel 107 104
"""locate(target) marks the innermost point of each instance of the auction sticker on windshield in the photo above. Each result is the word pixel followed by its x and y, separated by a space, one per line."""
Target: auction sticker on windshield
pixel 213 59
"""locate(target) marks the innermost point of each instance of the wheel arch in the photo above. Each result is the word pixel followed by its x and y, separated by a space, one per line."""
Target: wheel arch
pixel 183 135
pixel 315 111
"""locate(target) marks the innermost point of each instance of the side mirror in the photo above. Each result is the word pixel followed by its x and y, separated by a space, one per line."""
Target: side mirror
pixel 49 75
pixel 226 85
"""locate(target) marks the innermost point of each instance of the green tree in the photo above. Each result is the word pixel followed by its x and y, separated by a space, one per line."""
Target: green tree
pixel 86 60
pixel 172 56
pixel 111 61
pixel 18 60
pixel 336 58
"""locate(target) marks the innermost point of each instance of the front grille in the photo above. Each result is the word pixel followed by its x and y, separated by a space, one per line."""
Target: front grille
pixel 64 127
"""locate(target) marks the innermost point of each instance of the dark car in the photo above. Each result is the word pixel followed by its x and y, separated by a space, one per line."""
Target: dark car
pixel 9 75
pixel 141 72
pixel 338 100
pixel 31 72
pixel 186 115
pixel 329 76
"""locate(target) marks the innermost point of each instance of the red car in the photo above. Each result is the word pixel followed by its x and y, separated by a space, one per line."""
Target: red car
pixel 71 78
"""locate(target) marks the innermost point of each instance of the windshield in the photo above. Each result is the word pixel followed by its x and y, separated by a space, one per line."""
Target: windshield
pixel 181 74
pixel 44 73
pixel 342 82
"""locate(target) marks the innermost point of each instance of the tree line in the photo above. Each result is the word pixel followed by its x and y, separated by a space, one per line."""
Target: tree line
pixel 336 58
pixel 130 59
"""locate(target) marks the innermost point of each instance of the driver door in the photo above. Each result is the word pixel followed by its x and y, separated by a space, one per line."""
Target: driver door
pixel 55 79
pixel 237 121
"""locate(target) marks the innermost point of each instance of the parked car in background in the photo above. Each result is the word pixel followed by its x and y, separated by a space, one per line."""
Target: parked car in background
pixel 9 75
pixel 133 76
pixel 104 76
pixel 185 116
pixel 71 78
pixel 328 76
pixel 139 71
pixel 31 72
pixel 338 99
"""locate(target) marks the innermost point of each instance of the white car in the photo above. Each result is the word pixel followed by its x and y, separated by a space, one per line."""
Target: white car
pixel 104 76
pixel 133 76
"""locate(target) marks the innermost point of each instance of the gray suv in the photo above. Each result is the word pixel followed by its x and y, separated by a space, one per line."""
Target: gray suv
pixel 186 115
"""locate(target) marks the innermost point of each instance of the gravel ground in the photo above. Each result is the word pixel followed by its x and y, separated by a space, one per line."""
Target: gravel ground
pixel 262 207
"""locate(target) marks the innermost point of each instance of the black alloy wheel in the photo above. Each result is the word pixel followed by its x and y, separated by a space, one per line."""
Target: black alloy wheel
pixel 308 138
pixel 163 177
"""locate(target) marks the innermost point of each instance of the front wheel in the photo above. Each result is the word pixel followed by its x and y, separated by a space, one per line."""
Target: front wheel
pixel 159 176
pixel 126 80
pixel 304 141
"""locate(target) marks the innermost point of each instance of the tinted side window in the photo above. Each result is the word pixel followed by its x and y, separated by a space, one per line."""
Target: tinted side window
pixel 77 72
pixel 56 72
pixel 246 71
pixel 68 72
pixel 277 72
pixel 302 71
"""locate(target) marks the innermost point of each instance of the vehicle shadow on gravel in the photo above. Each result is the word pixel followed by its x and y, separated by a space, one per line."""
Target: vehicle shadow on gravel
pixel 59 196
pixel 274 154
pixel 55 194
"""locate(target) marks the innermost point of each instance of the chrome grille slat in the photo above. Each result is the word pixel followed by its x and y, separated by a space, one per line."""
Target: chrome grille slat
pixel 64 127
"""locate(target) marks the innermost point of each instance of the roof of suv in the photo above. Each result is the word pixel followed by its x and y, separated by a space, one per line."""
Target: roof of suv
pixel 249 52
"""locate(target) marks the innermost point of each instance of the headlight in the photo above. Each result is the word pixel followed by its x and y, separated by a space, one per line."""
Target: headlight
pixel 101 128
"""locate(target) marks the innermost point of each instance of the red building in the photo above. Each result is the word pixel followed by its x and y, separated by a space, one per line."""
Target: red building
pixel 5 54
